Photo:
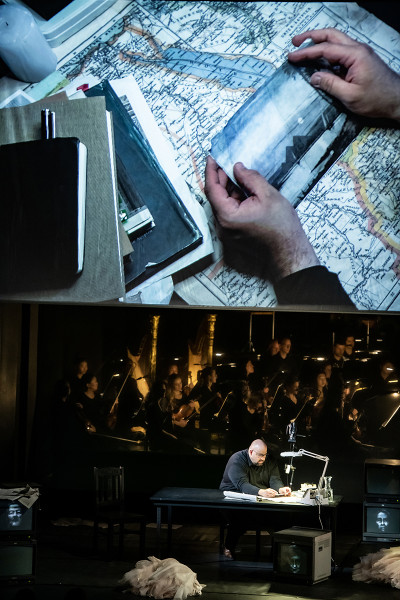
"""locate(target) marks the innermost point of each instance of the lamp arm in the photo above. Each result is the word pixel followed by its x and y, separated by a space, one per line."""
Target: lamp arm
pixel 321 479
pixel 313 455
pixel 318 457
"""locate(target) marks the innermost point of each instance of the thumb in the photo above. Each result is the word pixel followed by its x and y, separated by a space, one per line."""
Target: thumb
pixel 334 85
pixel 248 179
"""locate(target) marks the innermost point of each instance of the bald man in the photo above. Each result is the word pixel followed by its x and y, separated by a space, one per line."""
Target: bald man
pixel 250 471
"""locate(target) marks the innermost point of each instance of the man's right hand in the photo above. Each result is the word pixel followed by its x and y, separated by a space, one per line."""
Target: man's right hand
pixel 268 493
pixel 364 83
pixel 264 215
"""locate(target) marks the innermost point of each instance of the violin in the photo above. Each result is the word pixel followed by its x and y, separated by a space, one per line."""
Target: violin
pixel 112 417
pixel 187 411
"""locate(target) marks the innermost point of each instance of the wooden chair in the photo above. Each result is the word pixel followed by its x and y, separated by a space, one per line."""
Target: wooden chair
pixel 110 509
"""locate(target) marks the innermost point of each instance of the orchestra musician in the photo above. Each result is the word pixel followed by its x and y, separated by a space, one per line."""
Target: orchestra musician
pixel 208 397
pixel 87 404
pixel 157 414
pixel 178 403
pixel 80 368
pixel 182 412
pixel 286 405
pixel 246 416
pixel 126 403
pixel 316 402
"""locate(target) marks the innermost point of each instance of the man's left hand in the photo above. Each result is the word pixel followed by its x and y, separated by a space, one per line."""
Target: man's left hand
pixel 285 491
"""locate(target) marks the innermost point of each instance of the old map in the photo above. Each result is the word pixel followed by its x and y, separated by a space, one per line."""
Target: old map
pixel 196 64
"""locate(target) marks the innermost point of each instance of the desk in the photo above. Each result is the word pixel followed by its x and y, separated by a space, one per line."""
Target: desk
pixel 195 498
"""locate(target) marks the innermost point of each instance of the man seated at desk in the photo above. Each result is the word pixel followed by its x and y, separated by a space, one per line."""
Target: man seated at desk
pixel 250 471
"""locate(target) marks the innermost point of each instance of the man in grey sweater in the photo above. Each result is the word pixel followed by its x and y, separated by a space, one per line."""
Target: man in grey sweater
pixel 250 471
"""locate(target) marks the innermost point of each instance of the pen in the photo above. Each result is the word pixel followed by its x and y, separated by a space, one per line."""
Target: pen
pixel 45 124
pixel 52 125
pixel 48 124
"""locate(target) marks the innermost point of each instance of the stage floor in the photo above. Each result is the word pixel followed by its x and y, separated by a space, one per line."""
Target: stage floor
pixel 68 569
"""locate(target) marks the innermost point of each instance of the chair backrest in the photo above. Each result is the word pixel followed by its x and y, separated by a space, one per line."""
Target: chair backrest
pixel 109 487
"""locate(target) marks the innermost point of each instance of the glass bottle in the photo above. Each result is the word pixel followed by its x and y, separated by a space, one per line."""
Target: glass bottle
pixel 328 488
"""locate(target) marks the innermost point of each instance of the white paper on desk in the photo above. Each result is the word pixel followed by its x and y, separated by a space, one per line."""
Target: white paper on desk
pixel 18 98
pixel 129 88
pixel 285 500
pixel 240 496
pixel 159 292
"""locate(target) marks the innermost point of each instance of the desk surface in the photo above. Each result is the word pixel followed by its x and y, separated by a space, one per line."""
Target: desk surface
pixel 202 497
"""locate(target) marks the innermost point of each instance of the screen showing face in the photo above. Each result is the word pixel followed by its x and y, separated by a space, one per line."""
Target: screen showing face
pixel 293 559
pixel 383 520
pixel 383 479
pixel 15 517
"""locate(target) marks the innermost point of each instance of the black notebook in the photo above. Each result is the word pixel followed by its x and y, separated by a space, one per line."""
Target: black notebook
pixel 144 182
pixel 42 213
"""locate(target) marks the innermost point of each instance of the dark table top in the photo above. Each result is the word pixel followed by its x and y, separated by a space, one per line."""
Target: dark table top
pixel 203 497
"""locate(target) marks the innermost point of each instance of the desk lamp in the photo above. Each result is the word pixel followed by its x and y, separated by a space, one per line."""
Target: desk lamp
pixel 317 497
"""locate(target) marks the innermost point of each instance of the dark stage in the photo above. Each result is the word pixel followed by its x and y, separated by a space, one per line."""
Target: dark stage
pixel 41 343
pixel 68 568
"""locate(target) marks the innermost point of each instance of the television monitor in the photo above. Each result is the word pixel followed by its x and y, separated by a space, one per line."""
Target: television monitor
pixel 382 480
pixel 17 561
pixel 381 522
pixel 16 519
pixel 302 554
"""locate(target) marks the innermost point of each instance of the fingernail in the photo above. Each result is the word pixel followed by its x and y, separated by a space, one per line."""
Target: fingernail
pixel 315 80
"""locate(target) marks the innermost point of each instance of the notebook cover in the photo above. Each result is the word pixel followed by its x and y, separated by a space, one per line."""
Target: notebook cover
pixel 175 232
pixel 102 277
pixel 41 213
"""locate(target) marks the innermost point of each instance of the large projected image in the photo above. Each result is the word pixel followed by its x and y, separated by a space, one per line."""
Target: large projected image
pixel 199 67
pixel 197 88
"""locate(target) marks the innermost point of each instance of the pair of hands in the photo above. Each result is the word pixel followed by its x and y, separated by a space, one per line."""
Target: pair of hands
pixel 365 85
pixel 271 493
